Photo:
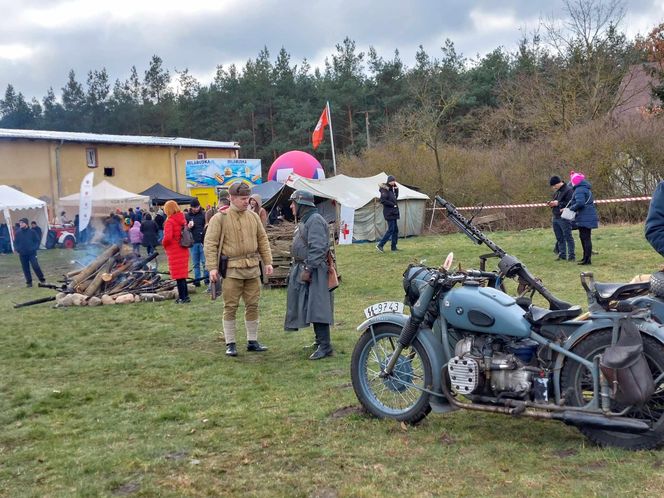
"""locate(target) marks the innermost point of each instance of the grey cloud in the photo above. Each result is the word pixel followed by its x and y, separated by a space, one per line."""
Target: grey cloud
pixel 305 29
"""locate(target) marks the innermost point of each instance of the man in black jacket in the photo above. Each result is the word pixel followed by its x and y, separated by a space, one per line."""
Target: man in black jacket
pixel 562 228
pixel 196 219
pixel 389 193
pixel 26 243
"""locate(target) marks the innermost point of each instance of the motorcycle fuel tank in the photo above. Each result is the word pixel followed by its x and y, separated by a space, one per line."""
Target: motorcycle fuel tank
pixel 484 309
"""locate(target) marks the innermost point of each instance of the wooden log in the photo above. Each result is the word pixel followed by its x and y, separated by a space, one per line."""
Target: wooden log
pixel 92 289
pixel 35 301
pixel 93 267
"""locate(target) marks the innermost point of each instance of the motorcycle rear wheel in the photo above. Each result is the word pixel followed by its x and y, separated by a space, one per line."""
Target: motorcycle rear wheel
pixel 399 396
pixel 577 379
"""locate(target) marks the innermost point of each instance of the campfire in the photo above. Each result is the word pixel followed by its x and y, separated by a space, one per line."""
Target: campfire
pixel 112 278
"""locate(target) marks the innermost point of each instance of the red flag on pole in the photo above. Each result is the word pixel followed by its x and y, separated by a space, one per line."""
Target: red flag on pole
pixel 317 136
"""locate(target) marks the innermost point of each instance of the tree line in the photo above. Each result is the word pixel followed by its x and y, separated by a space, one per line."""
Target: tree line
pixel 561 78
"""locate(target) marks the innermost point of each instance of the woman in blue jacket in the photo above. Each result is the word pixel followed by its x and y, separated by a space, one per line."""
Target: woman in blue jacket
pixel 583 204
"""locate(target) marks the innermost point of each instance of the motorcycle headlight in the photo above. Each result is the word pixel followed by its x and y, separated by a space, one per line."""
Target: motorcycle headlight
pixel 414 279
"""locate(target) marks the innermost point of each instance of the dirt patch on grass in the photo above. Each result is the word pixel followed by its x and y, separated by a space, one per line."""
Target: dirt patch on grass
pixel 127 488
pixel 347 411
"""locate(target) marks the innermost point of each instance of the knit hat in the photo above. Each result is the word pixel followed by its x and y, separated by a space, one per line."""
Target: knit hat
pixel 24 220
pixel 576 178
pixel 195 203
pixel 555 180
pixel 390 178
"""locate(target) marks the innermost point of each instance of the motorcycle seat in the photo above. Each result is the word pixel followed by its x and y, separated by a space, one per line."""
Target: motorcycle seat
pixel 617 291
pixel 540 316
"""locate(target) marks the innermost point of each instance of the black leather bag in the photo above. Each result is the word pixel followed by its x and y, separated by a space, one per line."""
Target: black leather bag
pixel 625 367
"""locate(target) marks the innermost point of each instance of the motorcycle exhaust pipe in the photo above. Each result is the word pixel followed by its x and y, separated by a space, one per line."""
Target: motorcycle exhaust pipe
pixel 618 424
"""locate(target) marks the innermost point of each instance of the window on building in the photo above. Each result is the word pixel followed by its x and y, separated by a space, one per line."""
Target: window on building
pixel 202 154
pixel 91 157
pixel 109 171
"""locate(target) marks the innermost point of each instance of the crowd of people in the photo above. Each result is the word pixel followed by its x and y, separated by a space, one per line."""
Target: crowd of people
pixel 229 243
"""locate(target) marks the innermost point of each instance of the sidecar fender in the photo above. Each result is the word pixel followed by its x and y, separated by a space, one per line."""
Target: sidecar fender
pixel 648 327
pixel 432 346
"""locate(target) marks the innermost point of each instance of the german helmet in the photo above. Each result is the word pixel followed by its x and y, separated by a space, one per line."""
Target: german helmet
pixel 303 198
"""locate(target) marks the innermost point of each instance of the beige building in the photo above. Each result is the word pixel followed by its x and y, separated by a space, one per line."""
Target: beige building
pixel 51 164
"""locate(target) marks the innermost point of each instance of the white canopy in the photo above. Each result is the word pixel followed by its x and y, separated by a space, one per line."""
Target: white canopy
pixel 15 205
pixel 105 198
pixel 349 191
pixel 362 195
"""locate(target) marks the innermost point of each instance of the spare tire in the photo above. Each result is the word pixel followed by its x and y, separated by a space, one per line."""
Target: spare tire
pixel 51 239
pixel 657 284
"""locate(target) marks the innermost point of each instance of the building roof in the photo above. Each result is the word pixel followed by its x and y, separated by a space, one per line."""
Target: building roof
pixel 635 97
pixel 70 136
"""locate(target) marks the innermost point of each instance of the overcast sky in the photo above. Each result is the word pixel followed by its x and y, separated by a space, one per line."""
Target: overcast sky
pixel 41 40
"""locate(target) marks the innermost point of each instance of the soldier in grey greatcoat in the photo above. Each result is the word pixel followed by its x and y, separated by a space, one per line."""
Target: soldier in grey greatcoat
pixel 309 301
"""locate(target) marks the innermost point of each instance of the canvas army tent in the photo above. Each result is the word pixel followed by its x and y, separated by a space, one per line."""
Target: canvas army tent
pixel 362 195
pixel 106 197
pixel 15 205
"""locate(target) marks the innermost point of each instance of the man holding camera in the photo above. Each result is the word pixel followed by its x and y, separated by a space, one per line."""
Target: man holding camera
pixel 196 223
pixel 238 236
pixel 562 228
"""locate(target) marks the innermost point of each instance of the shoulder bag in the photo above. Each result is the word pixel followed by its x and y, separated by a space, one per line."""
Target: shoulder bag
pixel 186 238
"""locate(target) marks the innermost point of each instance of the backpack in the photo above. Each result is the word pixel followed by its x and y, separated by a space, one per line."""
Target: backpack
pixel 186 238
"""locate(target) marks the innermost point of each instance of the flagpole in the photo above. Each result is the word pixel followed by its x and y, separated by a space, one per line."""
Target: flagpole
pixel 329 120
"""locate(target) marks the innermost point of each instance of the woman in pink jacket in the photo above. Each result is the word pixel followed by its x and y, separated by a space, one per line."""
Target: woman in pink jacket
pixel 136 237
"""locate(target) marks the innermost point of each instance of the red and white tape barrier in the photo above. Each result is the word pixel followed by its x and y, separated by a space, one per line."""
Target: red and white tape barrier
pixel 543 204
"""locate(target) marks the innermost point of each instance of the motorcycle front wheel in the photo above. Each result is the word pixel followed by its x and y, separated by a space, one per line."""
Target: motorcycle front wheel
pixel 577 382
pixel 399 396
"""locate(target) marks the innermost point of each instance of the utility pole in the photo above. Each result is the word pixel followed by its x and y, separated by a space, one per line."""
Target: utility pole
pixel 366 123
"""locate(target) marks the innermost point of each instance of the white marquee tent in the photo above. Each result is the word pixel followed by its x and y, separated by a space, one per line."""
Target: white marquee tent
pixel 15 205
pixel 362 195
pixel 106 197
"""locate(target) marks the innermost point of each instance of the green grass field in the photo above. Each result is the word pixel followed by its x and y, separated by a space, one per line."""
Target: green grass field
pixel 140 400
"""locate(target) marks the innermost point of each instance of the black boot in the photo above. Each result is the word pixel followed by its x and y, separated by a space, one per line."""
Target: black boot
pixel 230 349
pixel 314 345
pixel 324 347
pixel 256 347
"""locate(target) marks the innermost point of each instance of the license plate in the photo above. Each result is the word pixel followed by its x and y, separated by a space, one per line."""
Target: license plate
pixel 384 307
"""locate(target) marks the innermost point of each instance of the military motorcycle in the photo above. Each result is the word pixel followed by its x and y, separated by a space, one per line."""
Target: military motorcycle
pixel 468 345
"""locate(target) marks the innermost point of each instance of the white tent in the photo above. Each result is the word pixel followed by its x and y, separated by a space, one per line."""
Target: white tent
pixel 15 205
pixel 362 195
pixel 106 197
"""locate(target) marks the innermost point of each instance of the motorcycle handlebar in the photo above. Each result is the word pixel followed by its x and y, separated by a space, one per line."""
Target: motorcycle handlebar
pixel 554 302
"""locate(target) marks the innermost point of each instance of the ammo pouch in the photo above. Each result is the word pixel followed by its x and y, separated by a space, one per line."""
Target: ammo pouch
pixel 223 266
pixel 625 367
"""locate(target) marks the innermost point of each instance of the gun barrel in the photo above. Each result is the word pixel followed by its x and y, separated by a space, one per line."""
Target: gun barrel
pixel 466 226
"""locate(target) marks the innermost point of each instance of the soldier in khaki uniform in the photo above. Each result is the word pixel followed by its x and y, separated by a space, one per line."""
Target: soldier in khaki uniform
pixel 239 234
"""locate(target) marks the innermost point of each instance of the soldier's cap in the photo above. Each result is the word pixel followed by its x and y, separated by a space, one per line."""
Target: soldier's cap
pixel 239 188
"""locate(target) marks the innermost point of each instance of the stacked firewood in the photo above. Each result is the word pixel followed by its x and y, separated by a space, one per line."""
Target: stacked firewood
pixel 281 240
pixel 114 278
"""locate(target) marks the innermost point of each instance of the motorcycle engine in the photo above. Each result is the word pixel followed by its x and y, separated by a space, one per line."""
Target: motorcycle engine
pixel 482 365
